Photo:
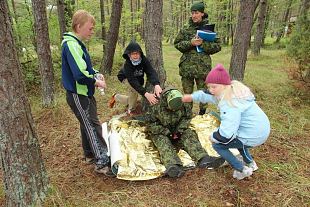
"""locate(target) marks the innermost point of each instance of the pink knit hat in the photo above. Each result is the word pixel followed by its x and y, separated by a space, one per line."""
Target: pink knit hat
pixel 218 75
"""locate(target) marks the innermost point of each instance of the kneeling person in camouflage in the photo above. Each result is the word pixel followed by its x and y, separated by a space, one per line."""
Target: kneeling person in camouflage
pixel 168 126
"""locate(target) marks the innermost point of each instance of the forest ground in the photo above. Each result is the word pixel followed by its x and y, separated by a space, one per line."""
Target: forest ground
pixel 284 167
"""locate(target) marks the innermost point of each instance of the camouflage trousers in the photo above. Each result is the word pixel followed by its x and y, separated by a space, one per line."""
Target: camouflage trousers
pixel 188 142
pixel 188 87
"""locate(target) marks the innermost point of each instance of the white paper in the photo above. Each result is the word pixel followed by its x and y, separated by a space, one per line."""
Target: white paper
pixel 112 141
pixel 115 147
pixel 105 135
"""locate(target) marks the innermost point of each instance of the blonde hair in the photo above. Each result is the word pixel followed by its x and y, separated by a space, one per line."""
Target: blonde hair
pixel 236 90
pixel 80 17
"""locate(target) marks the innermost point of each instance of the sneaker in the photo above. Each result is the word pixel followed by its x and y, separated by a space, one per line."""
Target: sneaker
pixel 246 172
pixel 112 101
pixel 106 170
pixel 210 162
pixel 89 160
pixel 174 171
pixel 252 165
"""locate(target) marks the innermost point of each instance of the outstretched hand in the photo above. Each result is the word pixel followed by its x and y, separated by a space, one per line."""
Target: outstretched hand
pixel 151 97
pixel 187 98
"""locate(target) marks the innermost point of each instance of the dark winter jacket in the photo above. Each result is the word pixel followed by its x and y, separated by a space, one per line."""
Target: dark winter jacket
pixel 135 74
pixel 195 64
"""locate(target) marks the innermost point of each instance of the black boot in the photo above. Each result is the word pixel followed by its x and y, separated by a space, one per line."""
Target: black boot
pixel 210 162
pixel 202 111
pixel 174 171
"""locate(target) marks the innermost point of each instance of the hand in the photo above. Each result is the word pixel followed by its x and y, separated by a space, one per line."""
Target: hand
pixel 187 98
pixel 157 90
pixel 196 41
pixel 100 83
pixel 176 135
pixel 100 76
pixel 151 97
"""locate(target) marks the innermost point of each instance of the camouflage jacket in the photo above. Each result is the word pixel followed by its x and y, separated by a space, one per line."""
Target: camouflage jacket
pixel 163 121
pixel 192 63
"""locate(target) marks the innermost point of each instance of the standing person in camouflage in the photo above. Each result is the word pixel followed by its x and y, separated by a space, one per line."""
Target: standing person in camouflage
pixel 168 126
pixel 194 66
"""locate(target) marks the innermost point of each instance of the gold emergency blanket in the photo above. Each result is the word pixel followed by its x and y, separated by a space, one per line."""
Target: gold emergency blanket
pixel 139 158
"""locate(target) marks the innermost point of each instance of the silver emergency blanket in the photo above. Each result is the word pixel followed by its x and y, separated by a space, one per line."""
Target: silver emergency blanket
pixel 134 154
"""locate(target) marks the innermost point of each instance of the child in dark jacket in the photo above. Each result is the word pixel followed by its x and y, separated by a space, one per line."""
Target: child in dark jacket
pixel 132 73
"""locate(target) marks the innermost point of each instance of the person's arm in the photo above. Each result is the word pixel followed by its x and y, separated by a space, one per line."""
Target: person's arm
pixel 230 122
pixel 121 75
pixel 152 76
pixel 203 96
pixel 74 56
pixel 182 44
pixel 211 47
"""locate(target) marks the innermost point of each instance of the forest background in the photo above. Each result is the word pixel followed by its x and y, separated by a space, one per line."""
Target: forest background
pixel 277 70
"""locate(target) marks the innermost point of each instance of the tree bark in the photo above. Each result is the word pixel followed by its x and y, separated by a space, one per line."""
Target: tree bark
pixel 61 17
pixel 153 28
pixel 258 39
pixel 103 30
pixel 232 25
pixel 131 19
pixel 107 62
pixel 284 21
pixel 25 178
pixel 242 39
pixel 108 7
pixel 44 52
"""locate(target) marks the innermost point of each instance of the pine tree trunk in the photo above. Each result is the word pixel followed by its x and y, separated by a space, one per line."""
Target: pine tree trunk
pixel 44 52
pixel 284 21
pixel 25 178
pixel 258 40
pixel 267 19
pixel 108 7
pixel 107 62
pixel 242 39
pixel 232 25
pixel 103 30
pixel 153 28
pixel 131 19
pixel 61 17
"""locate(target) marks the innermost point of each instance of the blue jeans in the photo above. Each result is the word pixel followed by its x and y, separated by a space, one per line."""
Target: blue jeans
pixel 223 150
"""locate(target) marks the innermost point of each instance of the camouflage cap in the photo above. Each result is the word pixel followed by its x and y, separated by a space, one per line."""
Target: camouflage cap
pixel 198 6
pixel 174 100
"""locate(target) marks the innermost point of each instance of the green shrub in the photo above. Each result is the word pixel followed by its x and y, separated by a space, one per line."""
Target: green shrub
pixel 299 48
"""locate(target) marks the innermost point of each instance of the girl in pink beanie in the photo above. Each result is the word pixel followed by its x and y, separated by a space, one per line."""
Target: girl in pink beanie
pixel 243 123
